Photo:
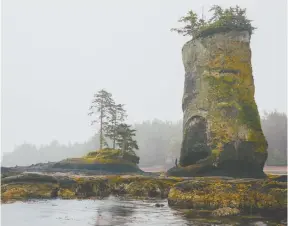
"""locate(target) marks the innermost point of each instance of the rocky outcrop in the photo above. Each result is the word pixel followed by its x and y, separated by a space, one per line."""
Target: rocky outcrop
pixel 66 186
pixel 106 161
pixel 221 126
pixel 209 196
pixel 227 196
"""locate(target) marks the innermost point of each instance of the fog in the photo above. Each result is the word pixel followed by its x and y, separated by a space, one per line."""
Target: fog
pixel 57 54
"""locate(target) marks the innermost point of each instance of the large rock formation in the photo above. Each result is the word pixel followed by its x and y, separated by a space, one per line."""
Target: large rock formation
pixel 221 125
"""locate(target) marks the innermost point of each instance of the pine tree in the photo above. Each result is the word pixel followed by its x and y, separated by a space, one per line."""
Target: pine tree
pixel 117 115
pixel 101 105
pixel 222 20
pixel 125 138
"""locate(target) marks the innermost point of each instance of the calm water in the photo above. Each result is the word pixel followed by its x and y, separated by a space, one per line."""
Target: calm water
pixel 111 211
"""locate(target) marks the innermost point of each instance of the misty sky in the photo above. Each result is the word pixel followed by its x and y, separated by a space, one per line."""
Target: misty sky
pixel 57 53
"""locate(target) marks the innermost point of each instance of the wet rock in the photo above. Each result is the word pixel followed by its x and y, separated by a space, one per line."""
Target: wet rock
pixel 54 192
pixel 29 177
pixel 67 186
pixel 226 211
pixel 282 178
pixel 247 195
pixel 25 191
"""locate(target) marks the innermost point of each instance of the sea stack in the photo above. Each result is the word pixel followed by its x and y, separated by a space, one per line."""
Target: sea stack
pixel 222 133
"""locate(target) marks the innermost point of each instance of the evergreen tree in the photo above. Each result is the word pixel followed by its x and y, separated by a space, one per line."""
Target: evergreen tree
pixel 191 19
pixel 101 105
pixel 117 115
pixel 125 138
pixel 222 20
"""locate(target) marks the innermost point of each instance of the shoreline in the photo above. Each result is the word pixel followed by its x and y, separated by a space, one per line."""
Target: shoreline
pixel 216 195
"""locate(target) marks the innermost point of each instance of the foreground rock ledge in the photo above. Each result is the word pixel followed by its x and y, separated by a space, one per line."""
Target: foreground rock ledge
pixel 200 194
pixel 267 197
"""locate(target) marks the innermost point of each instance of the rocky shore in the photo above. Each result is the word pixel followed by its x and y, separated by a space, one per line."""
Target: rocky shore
pixel 68 186
pixel 229 196
pixel 213 196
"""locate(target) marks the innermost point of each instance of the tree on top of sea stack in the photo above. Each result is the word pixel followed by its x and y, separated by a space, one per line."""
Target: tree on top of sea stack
pixel 222 20
pixel 222 134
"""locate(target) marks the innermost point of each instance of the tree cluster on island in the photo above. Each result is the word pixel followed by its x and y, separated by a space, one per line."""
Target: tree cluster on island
pixel 222 20
pixel 111 118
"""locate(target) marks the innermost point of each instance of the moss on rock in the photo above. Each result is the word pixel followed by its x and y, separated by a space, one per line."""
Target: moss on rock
pixel 65 193
pixel 226 211
pixel 107 160
pixel 22 191
pixel 247 195
pixel 75 186
pixel 219 108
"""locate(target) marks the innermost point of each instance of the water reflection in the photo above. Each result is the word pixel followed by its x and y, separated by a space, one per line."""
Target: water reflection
pixel 112 211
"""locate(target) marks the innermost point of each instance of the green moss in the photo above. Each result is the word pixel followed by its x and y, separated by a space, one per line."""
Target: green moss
pixel 65 193
pixel 17 191
pixel 250 115
pixel 228 104
pixel 103 160
pixel 29 177
pixel 226 211
pixel 91 186
pixel 245 195
pixel 112 155
pixel 192 170
pixel 105 153
pixel 231 99
pixel 193 213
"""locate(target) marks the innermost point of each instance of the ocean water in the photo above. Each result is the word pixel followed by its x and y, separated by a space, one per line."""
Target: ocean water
pixel 110 211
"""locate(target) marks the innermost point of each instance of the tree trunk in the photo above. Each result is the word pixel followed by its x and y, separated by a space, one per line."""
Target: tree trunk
pixel 114 135
pixel 101 127
pixel 124 145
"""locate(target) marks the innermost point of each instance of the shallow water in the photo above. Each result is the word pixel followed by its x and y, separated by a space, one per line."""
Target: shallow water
pixel 111 211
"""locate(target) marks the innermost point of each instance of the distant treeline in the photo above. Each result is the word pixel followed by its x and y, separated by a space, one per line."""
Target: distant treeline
pixel 159 141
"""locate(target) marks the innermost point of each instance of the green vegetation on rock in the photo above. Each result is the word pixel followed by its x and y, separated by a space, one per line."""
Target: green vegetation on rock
pixel 76 186
pixel 248 196
pixel 111 117
pixel 107 160
pixel 221 125
pixel 222 20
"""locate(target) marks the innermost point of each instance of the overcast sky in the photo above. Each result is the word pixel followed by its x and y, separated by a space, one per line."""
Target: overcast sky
pixel 57 53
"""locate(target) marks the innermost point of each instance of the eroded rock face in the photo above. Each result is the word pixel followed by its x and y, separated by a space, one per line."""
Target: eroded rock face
pixel 221 118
